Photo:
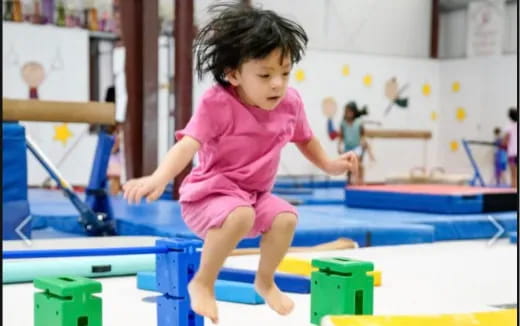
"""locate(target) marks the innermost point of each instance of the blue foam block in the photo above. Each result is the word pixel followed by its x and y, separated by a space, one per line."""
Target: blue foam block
pixel 176 311
pixel 224 290
pixel 286 283
pixel 428 203
pixel 15 208
pixel 513 237
pixel 175 269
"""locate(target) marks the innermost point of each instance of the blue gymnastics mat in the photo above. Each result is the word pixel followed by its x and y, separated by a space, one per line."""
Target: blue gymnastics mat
pixel 317 223
pixel 447 199
pixel 312 196
pixel 163 218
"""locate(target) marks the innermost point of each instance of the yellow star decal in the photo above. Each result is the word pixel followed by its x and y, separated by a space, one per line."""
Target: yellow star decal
pixel 62 133
pixel 455 87
pixel 345 71
pixel 367 80
pixel 434 115
pixel 299 75
pixel 426 89
pixel 454 145
pixel 461 114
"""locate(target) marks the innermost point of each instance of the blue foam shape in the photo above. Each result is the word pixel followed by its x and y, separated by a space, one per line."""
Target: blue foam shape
pixel 176 269
pixel 224 290
pixel 14 162
pixel 513 237
pixel 13 214
pixel 176 311
pixel 286 282
pixel 428 203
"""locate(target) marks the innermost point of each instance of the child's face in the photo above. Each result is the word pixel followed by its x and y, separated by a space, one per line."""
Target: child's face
pixel 349 114
pixel 262 82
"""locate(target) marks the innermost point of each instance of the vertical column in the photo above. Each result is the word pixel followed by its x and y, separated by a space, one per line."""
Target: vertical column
pixel 140 32
pixel 434 45
pixel 183 33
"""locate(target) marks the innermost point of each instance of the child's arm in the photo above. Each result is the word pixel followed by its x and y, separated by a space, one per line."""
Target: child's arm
pixel 153 186
pixel 315 153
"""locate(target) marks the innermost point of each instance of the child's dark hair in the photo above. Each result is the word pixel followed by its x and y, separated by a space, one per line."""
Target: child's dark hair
pixel 496 131
pixel 513 114
pixel 357 112
pixel 238 32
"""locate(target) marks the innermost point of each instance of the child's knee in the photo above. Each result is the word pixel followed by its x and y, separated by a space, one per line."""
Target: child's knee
pixel 242 218
pixel 286 221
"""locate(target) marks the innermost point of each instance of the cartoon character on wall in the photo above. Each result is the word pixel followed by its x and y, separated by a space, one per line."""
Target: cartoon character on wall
pixel 394 94
pixel 34 72
pixel 33 75
pixel 329 108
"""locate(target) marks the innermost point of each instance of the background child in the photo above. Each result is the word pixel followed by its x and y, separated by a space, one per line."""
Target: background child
pixel 511 141
pixel 239 129
pixel 500 157
pixel 351 136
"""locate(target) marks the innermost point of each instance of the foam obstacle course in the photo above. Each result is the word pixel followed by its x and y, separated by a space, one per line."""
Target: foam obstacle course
pixel 68 300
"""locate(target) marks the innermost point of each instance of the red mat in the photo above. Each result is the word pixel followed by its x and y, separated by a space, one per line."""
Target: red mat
pixel 435 189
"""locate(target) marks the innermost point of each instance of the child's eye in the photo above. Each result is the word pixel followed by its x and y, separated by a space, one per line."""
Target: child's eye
pixel 286 73
pixel 263 76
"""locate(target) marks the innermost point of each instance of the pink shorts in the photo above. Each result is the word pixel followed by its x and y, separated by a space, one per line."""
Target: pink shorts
pixel 211 211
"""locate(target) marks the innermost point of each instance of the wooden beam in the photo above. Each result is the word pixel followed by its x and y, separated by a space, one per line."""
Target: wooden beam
pixel 183 74
pixel 54 111
pixel 389 133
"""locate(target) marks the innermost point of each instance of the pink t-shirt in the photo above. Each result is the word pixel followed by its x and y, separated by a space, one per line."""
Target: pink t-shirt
pixel 240 145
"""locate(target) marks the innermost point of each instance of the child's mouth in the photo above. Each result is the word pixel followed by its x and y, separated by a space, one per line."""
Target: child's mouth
pixel 273 98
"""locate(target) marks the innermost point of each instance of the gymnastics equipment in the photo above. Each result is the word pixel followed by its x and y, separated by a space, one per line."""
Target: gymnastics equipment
pixel 303 267
pixel 506 317
pixel 347 281
pixel 58 111
pixel 96 213
pixel 230 291
pixel 177 260
pixel 477 176
pixel 424 135
pixel 130 263
pixel 95 223
pixel 67 301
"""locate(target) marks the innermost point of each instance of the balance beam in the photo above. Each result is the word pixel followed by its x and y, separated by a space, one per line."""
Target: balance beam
pixel 391 133
pixel 57 111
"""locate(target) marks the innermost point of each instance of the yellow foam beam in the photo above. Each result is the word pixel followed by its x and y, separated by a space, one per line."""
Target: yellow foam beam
pixel 302 267
pixel 490 318
pixel 377 277
pixel 57 111
pixel 296 266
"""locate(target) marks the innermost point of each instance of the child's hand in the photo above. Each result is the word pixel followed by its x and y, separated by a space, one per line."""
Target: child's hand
pixel 149 187
pixel 346 162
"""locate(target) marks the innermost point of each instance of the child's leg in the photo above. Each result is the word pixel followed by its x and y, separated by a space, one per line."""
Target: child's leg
pixel 218 244
pixel 273 247
pixel 514 172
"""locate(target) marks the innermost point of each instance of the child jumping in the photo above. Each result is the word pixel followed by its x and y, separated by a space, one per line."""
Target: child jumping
pixel 239 129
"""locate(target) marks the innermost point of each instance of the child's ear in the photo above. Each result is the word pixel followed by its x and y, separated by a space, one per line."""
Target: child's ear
pixel 232 76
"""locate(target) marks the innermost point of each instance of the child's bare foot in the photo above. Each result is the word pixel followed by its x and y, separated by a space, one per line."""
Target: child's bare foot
pixel 203 300
pixel 275 298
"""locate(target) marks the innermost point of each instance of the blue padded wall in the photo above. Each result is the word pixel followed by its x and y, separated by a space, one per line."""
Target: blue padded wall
pixel 14 181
